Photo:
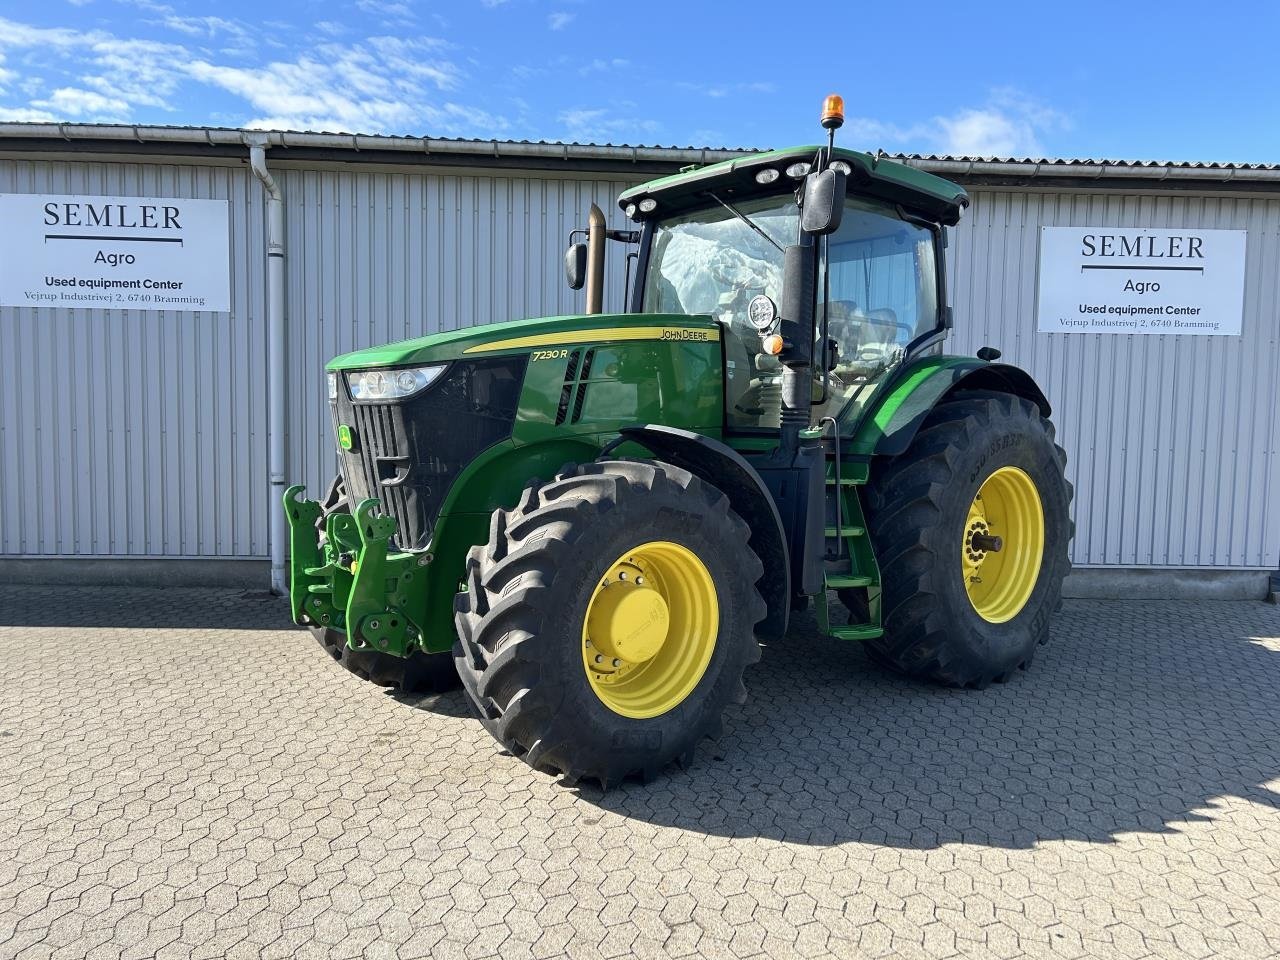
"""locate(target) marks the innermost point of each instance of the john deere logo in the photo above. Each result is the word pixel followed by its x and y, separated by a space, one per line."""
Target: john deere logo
pixel 346 437
pixel 681 333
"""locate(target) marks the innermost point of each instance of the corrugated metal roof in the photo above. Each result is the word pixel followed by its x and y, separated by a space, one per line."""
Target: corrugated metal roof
pixel 943 164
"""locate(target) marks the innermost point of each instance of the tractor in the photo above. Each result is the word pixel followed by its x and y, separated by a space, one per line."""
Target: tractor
pixel 594 521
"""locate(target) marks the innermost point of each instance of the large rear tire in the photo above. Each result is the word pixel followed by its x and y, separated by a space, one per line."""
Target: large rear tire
pixel 418 673
pixel 608 621
pixel 971 527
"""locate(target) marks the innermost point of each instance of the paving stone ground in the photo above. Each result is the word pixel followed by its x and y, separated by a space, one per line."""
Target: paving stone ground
pixel 183 774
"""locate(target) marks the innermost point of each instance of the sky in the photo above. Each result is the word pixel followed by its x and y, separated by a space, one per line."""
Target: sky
pixel 1124 80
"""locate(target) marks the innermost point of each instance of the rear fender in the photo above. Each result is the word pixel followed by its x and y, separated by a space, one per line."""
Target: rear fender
pixel 712 461
pixel 888 428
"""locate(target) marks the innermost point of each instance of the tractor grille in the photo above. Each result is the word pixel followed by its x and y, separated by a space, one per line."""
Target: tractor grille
pixel 406 454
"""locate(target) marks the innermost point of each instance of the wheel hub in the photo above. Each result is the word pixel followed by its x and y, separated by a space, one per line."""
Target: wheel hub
pixel 629 620
pixel 1003 545
pixel 650 629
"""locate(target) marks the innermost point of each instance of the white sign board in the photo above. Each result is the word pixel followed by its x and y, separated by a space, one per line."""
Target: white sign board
pixel 133 253
pixel 1141 280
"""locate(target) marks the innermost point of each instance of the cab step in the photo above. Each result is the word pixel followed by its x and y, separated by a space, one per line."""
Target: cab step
pixel 832 532
pixel 843 581
pixel 861 631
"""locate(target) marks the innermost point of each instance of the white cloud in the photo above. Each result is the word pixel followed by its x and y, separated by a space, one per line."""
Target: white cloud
pixel 380 84
pixel 83 104
pixel 389 12
pixel 559 20
pixel 1009 124
pixel 25 115
pixel 599 65
pixel 203 26
pixel 600 125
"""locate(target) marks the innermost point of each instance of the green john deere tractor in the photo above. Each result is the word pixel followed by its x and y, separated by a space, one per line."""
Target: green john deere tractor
pixel 594 520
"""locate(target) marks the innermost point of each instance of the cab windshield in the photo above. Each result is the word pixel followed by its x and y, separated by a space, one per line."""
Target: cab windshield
pixel 883 295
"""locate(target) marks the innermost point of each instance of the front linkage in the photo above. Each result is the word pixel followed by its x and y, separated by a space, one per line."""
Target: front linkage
pixel 350 582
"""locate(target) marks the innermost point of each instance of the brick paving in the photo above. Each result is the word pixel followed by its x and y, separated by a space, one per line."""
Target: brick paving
pixel 182 774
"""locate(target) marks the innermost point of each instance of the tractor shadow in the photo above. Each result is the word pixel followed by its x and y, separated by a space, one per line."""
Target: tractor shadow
pixel 1138 716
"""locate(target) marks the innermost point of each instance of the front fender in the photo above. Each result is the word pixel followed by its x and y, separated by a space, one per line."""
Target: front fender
pixel 889 426
pixel 724 468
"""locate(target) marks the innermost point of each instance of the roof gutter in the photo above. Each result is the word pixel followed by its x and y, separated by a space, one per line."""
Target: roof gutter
pixel 1089 171
pixel 221 136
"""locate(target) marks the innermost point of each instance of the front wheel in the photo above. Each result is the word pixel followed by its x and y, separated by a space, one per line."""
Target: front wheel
pixel 608 621
pixel 971 526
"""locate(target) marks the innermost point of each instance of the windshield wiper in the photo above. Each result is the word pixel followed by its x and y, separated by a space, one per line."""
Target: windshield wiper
pixel 745 219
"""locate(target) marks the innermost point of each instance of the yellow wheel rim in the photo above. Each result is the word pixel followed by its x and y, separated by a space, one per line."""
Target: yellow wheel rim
pixel 650 629
pixel 1003 545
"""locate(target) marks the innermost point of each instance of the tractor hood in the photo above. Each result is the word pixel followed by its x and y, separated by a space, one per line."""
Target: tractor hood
pixel 524 335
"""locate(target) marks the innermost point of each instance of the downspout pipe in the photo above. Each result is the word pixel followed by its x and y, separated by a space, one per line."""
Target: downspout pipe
pixel 276 414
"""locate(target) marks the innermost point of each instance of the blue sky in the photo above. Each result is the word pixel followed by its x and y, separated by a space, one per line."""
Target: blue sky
pixel 1121 80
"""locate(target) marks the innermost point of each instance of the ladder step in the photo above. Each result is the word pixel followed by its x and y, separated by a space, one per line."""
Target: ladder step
pixel 830 532
pixel 842 581
pixel 844 482
pixel 860 631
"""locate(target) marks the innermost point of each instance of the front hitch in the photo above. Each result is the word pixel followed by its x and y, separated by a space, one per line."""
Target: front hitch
pixel 352 582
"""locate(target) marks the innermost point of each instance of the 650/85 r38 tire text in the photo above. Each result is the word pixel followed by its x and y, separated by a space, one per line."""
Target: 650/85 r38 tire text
pixel 608 621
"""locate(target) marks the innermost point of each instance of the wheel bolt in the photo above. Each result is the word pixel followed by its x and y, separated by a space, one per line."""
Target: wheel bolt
pixel 599 658
pixel 617 662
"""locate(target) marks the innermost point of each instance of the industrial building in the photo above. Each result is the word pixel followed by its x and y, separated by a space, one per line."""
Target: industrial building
pixel 147 439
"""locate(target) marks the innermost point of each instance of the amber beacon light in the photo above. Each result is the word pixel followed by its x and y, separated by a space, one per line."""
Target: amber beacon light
pixel 833 112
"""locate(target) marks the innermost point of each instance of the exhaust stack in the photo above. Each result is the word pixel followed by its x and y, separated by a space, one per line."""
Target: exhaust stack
pixel 595 260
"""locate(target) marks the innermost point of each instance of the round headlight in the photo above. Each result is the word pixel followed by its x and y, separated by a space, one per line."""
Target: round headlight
pixel 767 175
pixel 762 311
pixel 840 166
pixel 648 205
pixel 630 211
pixel 797 170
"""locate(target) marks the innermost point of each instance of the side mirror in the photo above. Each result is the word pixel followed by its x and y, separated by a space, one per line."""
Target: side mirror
pixel 823 202
pixel 575 265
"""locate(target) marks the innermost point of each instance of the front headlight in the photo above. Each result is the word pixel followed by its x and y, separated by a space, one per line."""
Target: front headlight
pixel 392 384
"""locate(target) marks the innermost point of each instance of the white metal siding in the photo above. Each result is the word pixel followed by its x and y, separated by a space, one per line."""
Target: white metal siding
pixel 1171 441
pixel 130 433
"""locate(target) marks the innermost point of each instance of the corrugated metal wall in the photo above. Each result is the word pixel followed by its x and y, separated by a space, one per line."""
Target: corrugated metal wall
pixel 130 432
pixel 144 433
pixel 1171 440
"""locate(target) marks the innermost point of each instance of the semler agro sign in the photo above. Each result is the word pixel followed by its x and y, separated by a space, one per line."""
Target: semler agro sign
pixel 123 253
pixel 1141 280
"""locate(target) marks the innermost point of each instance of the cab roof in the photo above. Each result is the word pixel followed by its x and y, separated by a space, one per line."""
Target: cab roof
pixel 933 197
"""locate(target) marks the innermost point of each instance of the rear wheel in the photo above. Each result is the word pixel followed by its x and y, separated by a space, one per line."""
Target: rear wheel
pixel 607 623
pixel 971 526
pixel 418 673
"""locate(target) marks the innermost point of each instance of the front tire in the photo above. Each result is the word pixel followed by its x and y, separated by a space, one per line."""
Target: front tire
pixel 608 621
pixel 971 527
